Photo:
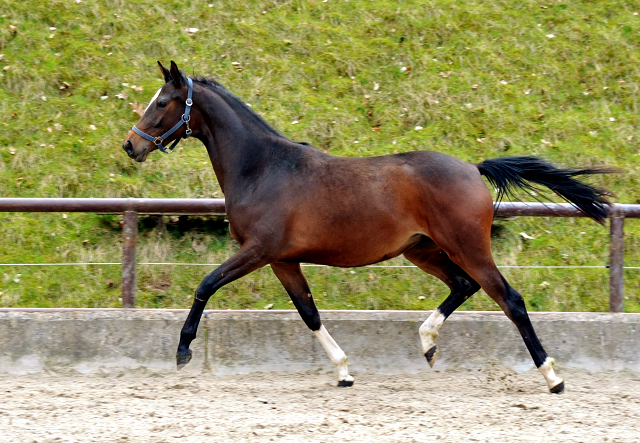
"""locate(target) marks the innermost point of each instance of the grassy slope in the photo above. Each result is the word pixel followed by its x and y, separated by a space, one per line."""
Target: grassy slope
pixel 336 68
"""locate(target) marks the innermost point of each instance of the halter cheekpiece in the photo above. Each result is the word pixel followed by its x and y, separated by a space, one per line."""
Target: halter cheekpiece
pixel 184 120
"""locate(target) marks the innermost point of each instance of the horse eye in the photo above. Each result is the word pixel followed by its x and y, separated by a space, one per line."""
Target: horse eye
pixel 162 105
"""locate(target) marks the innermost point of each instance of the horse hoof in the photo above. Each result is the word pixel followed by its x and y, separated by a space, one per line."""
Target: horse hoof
pixel 183 359
pixel 345 383
pixel 557 389
pixel 431 355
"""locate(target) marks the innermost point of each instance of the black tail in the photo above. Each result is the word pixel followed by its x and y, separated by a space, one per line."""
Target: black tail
pixel 509 173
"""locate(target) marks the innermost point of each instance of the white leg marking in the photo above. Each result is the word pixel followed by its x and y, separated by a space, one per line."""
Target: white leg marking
pixel 429 330
pixel 336 354
pixel 546 369
pixel 152 100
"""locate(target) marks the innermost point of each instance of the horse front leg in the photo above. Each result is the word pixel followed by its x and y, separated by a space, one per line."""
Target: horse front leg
pixel 246 260
pixel 297 287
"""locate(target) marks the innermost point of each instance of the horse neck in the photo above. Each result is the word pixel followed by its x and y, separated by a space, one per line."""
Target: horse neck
pixel 238 149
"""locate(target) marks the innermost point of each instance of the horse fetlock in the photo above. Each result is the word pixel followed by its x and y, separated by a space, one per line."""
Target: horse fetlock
pixel 344 379
pixel 429 330
pixel 428 337
pixel 429 334
pixel 555 383
pixel 343 370
pixel 337 355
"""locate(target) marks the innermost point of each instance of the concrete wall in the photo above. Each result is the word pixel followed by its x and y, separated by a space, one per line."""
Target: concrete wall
pixel 234 342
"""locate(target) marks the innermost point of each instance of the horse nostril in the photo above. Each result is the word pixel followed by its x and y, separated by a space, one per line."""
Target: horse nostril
pixel 128 147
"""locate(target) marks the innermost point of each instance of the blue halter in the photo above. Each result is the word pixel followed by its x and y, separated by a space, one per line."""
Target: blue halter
pixel 184 120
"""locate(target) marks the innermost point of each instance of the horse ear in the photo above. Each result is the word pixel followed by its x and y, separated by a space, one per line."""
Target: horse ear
pixel 176 74
pixel 165 73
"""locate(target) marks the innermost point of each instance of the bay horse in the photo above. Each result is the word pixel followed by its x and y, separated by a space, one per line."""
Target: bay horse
pixel 289 203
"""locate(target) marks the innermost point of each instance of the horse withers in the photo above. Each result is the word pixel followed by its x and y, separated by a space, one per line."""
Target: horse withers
pixel 289 203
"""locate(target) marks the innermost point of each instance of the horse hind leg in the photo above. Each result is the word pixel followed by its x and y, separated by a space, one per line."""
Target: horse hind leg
pixel 479 264
pixel 432 259
pixel 297 287
pixel 513 305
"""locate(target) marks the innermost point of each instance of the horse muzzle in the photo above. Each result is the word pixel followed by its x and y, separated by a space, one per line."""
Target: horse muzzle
pixel 131 152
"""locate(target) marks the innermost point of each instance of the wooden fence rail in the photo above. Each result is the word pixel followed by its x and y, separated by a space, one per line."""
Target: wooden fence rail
pixel 131 208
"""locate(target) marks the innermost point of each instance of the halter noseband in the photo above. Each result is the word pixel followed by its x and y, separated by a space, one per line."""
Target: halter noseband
pixel 184 120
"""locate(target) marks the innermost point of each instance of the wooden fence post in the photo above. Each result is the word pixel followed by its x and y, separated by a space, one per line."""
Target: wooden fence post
pixel 616 259
pixel 130 232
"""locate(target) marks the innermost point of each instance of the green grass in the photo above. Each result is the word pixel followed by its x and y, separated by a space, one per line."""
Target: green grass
pixel 336 67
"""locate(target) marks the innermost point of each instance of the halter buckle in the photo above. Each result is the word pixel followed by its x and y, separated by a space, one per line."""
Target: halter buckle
pixel 158 141
pixel 186 118
pixel 189 102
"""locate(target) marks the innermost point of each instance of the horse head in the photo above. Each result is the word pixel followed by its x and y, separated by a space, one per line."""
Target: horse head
pixel 164 117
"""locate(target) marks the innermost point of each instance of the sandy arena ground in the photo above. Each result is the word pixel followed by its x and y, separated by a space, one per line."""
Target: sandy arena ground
pixel 451 406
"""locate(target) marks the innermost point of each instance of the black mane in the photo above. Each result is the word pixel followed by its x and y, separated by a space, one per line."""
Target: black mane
pixel 238 105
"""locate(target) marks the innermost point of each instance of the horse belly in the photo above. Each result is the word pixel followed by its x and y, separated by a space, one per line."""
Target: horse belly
pixel 351 248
